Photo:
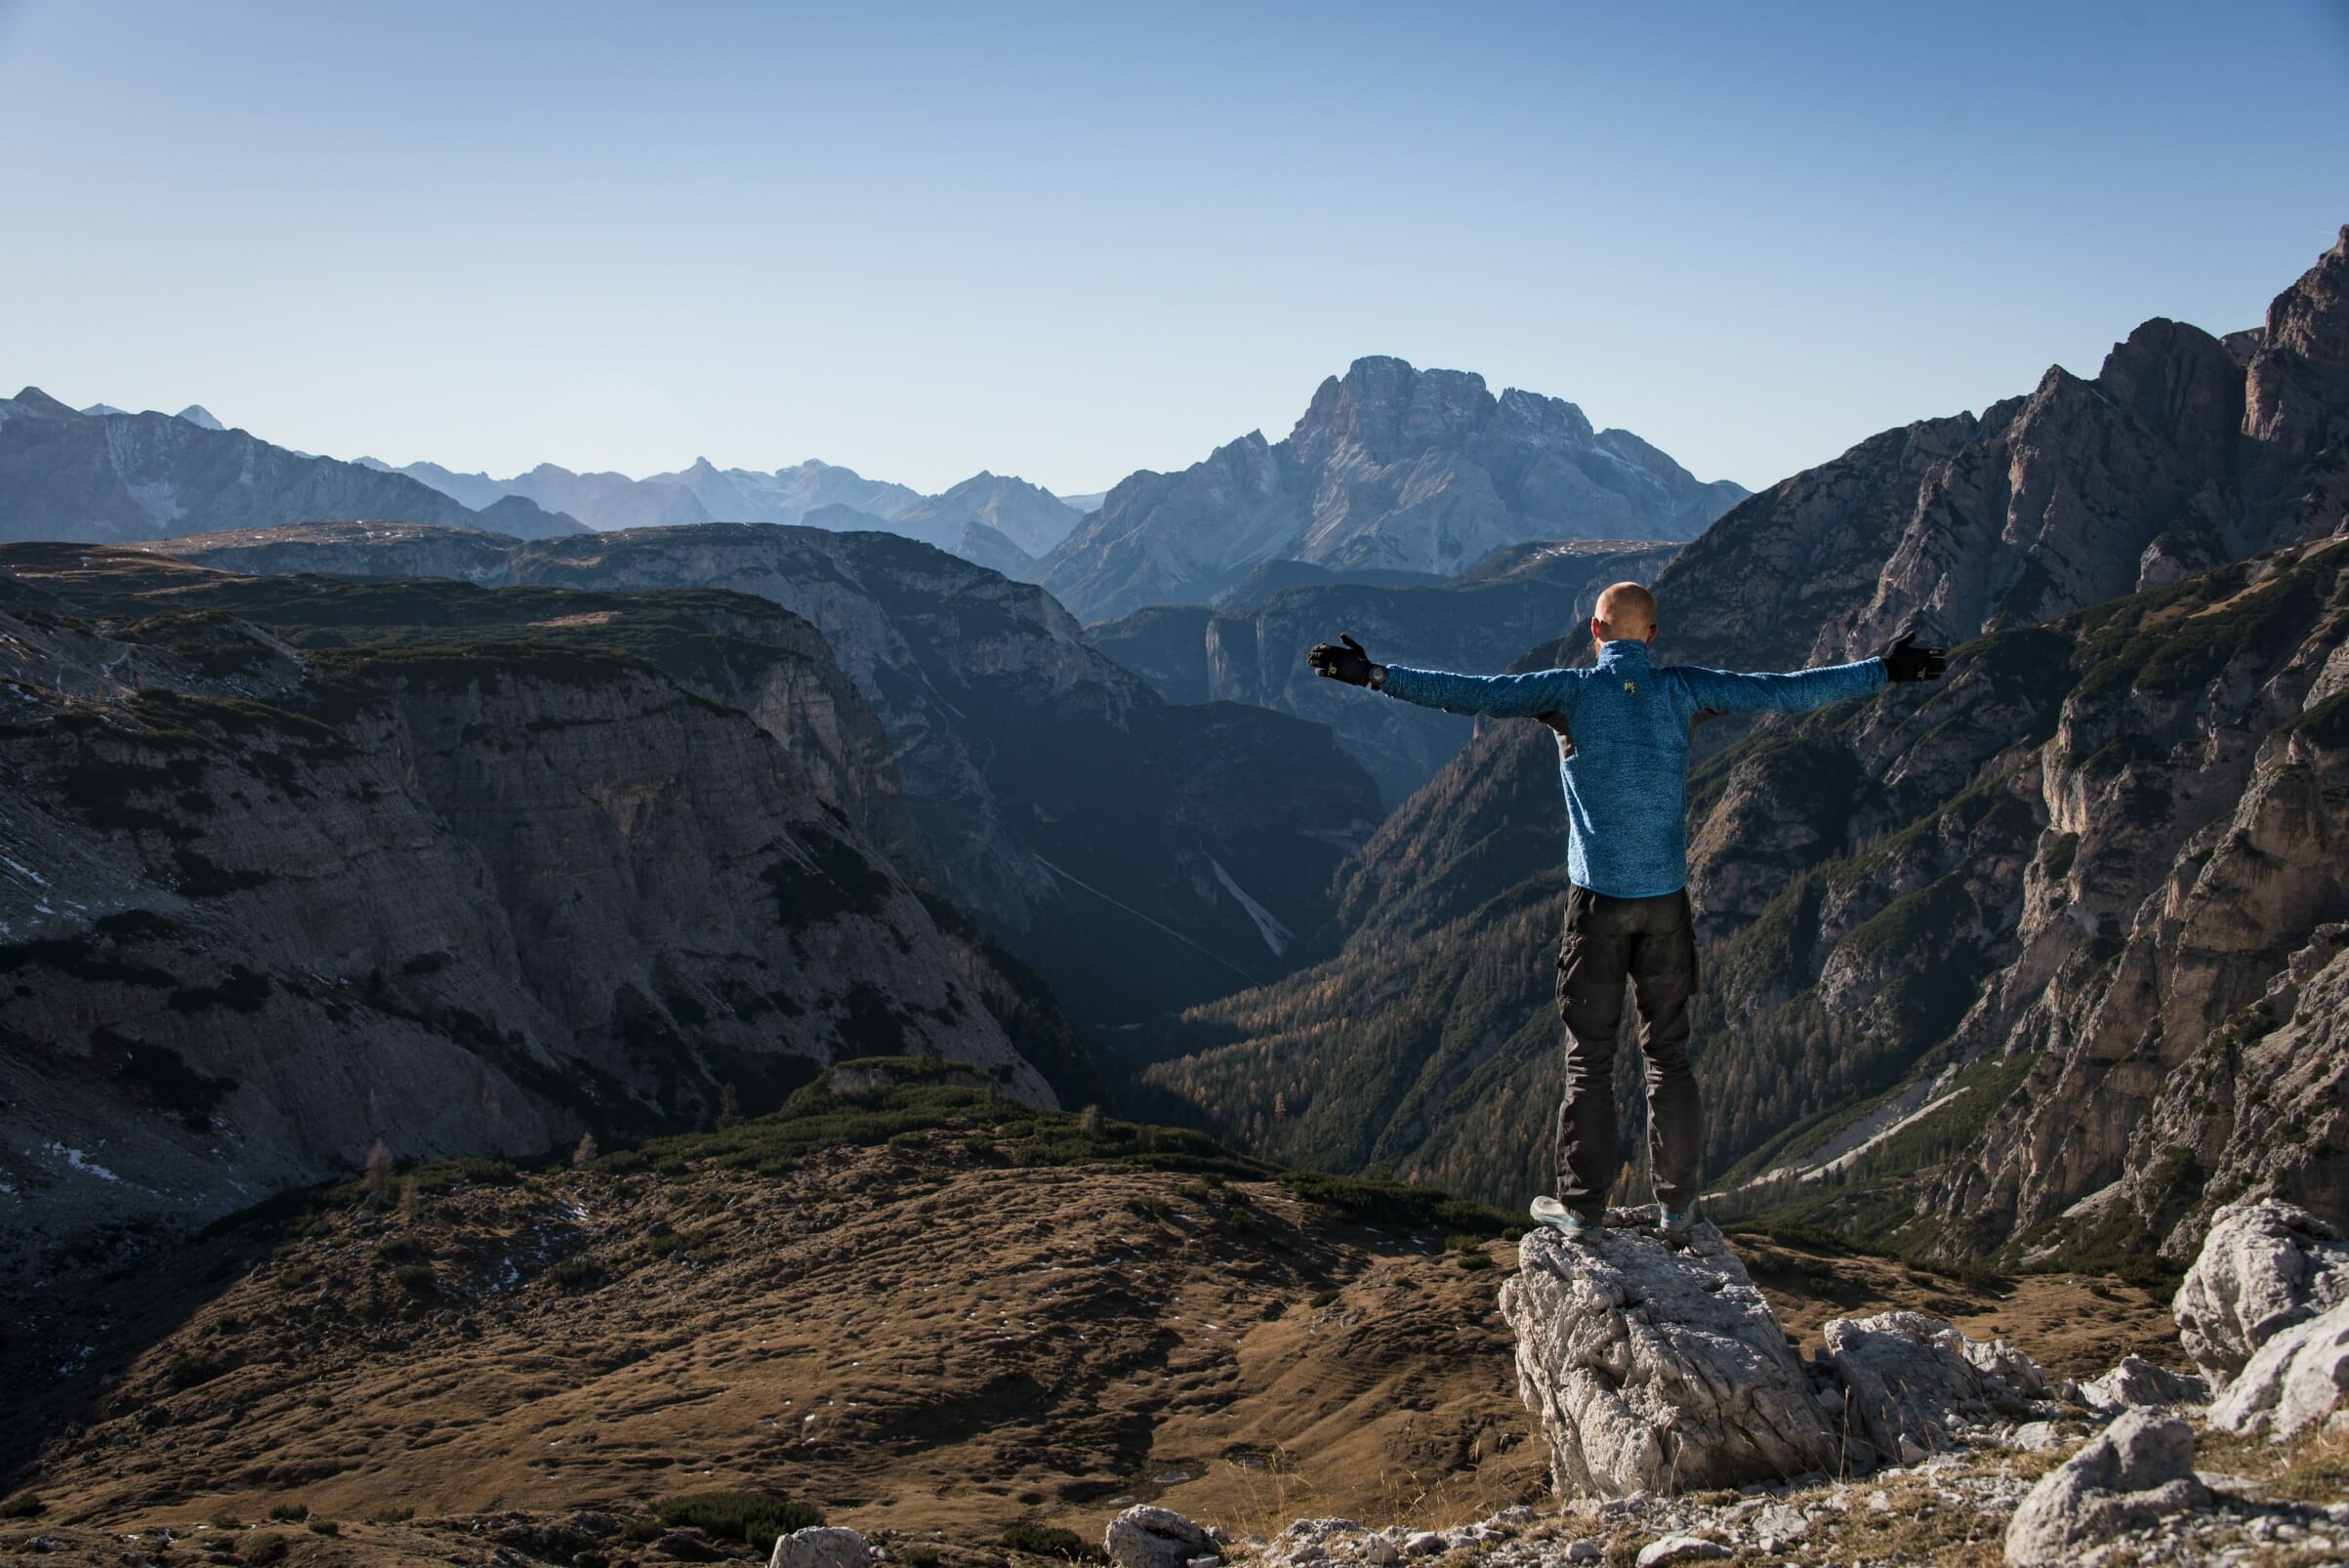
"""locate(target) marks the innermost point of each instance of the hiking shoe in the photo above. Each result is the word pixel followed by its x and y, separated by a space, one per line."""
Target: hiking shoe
pixel 1675 1226
pixel 1566 1223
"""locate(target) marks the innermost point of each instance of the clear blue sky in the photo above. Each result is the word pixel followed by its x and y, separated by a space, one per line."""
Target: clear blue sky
pixel 1072 241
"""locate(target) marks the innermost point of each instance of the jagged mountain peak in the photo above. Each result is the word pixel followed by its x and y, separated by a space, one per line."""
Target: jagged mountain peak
pixel 33 400
pixel 198 415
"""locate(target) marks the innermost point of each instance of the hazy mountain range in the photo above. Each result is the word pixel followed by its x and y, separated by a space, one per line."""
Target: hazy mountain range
pixel 104 477
pixel 1027 515
pixel 1390 468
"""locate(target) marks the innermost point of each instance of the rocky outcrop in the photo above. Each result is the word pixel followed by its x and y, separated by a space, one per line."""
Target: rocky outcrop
pixel 1479 622
pixel 2137 1383
pixel 2137 1470
pixel 103 479
pixel 262 905
pixel 1138 855
pixel 1913 1386
pixel 2264 1268
pixel 1656 1371
pixel 1389 466
pixel 2293 1381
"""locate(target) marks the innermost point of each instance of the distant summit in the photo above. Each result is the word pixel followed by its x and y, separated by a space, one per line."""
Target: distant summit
pixel 1028 516
pixel 198 415
pixel 1390 467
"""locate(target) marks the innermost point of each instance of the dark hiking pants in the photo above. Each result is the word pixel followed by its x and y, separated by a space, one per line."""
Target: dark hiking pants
pixel 1648 945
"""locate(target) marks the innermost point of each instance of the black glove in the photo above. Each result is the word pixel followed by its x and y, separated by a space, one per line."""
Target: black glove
pixel 1348 664
pixel 1903 662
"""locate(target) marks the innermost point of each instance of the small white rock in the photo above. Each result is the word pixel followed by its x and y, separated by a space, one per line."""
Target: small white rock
pixel 1680 1549
pixel 820 1546
pixel 1585 1552
pixel 1426 1544
pixel 1380 1552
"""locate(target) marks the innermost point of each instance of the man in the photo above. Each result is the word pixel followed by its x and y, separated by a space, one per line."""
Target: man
pixel 1627 916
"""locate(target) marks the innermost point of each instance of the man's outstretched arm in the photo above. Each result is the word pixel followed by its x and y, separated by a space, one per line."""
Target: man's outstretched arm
pixel 1799 692
pixel 1501 695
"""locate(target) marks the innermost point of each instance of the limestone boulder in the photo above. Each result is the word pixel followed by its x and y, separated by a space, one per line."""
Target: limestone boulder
pixel 2139 1469
pixel 1149 1537
pixel 821 1546
pixel 1911 1384
pixel 2294 1378
pixel 1656 1370
pixel 2264 1266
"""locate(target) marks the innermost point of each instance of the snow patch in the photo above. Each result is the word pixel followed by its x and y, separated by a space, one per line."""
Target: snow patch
pixel 78 1161
pixel 1277 936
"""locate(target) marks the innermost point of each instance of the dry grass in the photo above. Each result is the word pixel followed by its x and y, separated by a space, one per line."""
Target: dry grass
pixel 914 1337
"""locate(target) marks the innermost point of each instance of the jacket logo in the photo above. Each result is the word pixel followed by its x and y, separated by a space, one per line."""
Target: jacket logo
pixel 1631 686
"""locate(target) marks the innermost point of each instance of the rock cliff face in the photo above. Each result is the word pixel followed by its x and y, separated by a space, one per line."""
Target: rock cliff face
pixel 1139 854
pixel 106 477
pixel 2036 962
pixel 262 904
pixel 1389 466
pixel 1479 622
pixel 2185 451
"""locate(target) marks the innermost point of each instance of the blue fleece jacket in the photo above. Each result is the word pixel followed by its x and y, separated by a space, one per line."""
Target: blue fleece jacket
pixel 1627 783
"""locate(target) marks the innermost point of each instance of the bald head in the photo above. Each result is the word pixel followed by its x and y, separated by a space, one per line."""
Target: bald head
pixel 1626 610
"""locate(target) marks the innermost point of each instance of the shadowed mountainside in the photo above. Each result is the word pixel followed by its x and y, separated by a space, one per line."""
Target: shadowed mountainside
pixel 467 872
pixel 1139 854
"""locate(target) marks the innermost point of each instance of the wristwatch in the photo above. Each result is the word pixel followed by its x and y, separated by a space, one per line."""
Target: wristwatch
pixel 1377 677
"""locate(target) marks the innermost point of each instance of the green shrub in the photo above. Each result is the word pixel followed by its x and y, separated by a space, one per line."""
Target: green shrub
pixel 399 1249
pixel 325 1527
pixel 1463 1244
pixel 919 1557
pixel 475 1171
pixel 1472 1261
pixel 416 1278
pixel 23 1506
pixel 747 1516
pixel 1046 1540
pixel 575 1274
pixel 640 1531
pixel 1150 1207
pixel 1321 1298
pixel 265 1548
pixel 187 1370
